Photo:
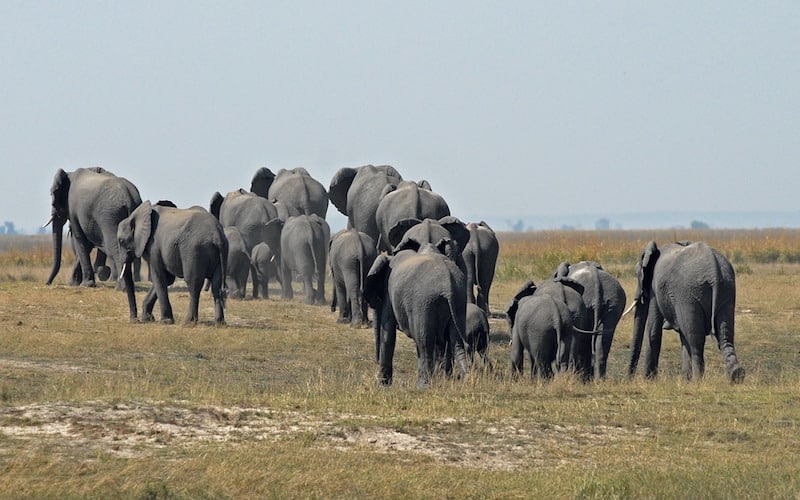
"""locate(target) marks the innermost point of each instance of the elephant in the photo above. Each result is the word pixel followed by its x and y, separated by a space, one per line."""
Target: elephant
pixel 186 243
pixel 94 201
pixel 255 217
pixel 412 233
pixel 352 254
pixel 238 266
pixel 263 260
pixel 541 325
pixel 356 193
pixel 304 246
pixel 477 336
pixel 690 288
pixel 295 188
pixel 605 301
pixel 421 293
pixel 480 258
pixel 406 200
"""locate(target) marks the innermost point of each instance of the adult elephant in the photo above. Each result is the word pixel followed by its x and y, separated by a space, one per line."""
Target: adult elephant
pixel 255 217
pixel 480 257
pixel 356 193
pixel 185 243
pixel 304 246
pixel 403 201
pixel 422 294
pixel 94 201
pixel 690 288
pixel 352 254
pixel 299 193
pixel 605 300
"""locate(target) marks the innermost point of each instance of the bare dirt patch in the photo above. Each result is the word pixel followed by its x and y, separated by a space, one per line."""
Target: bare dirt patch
pixel 138 429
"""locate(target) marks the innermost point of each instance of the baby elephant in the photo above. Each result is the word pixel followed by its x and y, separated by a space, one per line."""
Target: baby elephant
pixel 477 340
pixel 263 260
pixel 352 254
pixel 541 325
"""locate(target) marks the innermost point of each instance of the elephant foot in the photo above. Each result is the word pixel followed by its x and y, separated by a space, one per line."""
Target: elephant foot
pixel 342 320
pixel 89 284
pixel 737 374
pixel 103 273
pixel 167 321
pixel 147 317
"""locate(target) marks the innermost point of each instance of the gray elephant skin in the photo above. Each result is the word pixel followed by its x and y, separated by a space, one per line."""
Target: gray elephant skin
pixel 477 336
pixel 185 243
pixel 238 266
pixel 690 288
pixel 404 201
pixel 255 217
pixel 295 189
pixel 605 301
pixel 94 201
pixel 304 246
pixel 263 261
pixel 356 193
pixel 352 254
pixel 422 294
pixel 412 233
pixel 480 258
pixel 541 325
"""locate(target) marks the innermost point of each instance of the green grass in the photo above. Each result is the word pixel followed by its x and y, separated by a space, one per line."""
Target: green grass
pixel 282 402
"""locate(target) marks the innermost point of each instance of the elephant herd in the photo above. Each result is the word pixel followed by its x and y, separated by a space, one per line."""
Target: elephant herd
pixel 421 270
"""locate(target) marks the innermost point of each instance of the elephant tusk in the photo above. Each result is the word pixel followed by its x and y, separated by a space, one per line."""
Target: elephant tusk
pixel 587 332
pixel 48 221
pixel 628 310
pixel 124 267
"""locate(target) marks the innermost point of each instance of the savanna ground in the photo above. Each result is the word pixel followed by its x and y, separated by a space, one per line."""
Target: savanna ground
pixel 282 402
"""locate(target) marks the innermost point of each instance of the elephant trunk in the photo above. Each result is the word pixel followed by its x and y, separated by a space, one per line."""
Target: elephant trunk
pixel 639 320
pixel 58 228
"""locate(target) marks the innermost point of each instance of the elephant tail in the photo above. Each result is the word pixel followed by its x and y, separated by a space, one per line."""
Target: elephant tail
pixel 362 273
pixel 223 267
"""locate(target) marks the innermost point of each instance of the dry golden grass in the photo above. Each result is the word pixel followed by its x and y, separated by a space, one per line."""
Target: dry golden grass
pixel 282 401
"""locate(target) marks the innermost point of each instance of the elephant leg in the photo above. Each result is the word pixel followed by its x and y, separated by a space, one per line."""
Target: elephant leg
pixel 342 299
pixel 517 354
pixel 352 300
pixel 160 288
pixel 195 286
pixel 308 288
pixel 102 271
pixel 77 273
pixel 286 273
pixel 82 249
pixel 148 303
pixel 137 269
pixel 320 295
pixel 386 331
pixel 426 358
pixel 736 372
pixel 219 298
pixel 686 358
pixel 457 343
pixel 257 285
pixel 654 332
pixel 602 347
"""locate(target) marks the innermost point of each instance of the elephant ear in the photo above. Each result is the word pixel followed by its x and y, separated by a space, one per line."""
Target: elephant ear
pixel 60 190
pixel 271 235
pixel 216 204
pixel 398 231
pixel 486 225
pixel 526 291
pixel 562 270
pixel 389 188
pixel 448 248
pixel 261 182
pixel 376 281
pixel 340 185
pixel 390 171
pixel 97 170
pixel 142 219
pixel 166 203
pixel 457 229
pixel 424 184
pixel 647 262
pixel 571 283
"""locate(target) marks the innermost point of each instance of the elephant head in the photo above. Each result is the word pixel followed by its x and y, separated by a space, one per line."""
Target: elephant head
pixel 593 298
pixel 527 289
pixel 403 237
pixel 262 180
pixel 135 232
pixel 59 215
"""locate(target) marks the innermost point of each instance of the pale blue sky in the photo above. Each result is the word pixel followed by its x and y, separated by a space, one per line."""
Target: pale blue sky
pixel 505 107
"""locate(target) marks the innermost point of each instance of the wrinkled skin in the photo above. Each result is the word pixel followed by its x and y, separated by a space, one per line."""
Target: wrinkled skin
pixel 406 200
pixel 352 254
pixel 421 293
pixel 255 217
pixel 238 264
pixel 412 234
pixel 265 268
pixel 356 193
pixel 541 325
pixel 480 258
pixel 94 201
pixel 295 189
pixel 690 288
pixel 604 299
pixel 477 337
pixel 304 246
pixel 185 243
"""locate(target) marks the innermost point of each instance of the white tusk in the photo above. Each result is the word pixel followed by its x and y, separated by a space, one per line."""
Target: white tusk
pixel 124 267
pixel 628 310
pixel 48 221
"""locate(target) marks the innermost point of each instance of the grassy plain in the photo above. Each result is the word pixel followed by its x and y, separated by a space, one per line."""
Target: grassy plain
pixel 282 401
